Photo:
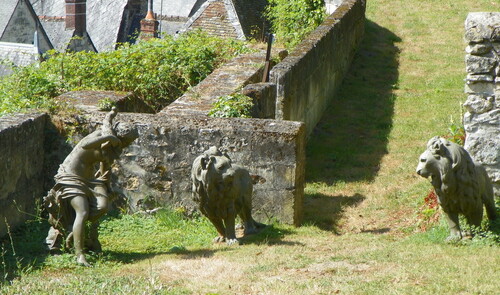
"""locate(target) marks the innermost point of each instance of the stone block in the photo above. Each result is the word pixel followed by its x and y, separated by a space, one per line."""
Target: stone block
pixel 472 78
pixel 480 26
pixel 90 101
pixel 264 99
pixel 478 104
pixel 478 49
pixel 496 46
pixel 487 121
pixel 483 147
pixel 485 88
pixel 479 64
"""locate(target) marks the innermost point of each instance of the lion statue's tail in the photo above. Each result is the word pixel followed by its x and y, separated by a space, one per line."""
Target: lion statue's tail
pixel 489 200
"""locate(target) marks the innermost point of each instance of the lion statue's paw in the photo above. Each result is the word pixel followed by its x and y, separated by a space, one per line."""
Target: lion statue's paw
pixel 453 238
pixel 231 242
pixel 219 239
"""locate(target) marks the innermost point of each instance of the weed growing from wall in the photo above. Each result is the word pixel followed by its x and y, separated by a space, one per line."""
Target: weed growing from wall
pixel 232 106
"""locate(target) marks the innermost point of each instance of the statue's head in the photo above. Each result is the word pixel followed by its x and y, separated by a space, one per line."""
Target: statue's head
pixel 126 132
pixel 435 159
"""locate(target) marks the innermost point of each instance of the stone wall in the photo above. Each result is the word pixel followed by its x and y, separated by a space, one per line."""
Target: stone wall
pixel 482 117
pixel 21 166
pixel 157 166
pixel 228 79
pixel 264 99
pixel 308 78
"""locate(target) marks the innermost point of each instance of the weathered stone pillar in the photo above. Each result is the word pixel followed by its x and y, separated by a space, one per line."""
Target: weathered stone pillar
pixel 482 117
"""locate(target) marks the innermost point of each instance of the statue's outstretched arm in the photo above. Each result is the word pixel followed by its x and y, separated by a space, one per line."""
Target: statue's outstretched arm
pixel 107 123
pixel 100 140
pixel 107 135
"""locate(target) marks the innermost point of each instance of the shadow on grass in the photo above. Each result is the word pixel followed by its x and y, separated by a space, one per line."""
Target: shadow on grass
pixel 349 142
pixel 378 231
pixel 351 138
pixel 325 212
pixel 269 235
pixel 131 257
pixel 23 249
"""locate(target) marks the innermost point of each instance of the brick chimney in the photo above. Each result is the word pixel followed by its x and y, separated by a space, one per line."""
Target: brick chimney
pixel 149 25
pixel 76 16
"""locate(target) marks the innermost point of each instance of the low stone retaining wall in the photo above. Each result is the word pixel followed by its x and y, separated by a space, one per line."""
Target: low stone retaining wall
pixel 482 119
pixel 157 166
pixel 309 77
pixel 21 166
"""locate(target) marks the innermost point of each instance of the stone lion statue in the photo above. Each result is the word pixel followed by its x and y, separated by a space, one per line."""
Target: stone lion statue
pixel 223 190
pixel 462 186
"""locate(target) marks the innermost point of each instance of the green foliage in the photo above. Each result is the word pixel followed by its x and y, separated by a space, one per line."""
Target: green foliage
pixel 171 228
pixel 231 106
pixel 158 71
pixel 106 104
pixel 292 20
pixel 456 133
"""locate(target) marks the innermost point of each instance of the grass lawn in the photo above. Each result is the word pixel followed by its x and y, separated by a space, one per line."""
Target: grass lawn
pixel 364 204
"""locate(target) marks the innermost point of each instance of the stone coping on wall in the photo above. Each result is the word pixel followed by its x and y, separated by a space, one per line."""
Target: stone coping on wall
pixel 92 100
pixel 228 79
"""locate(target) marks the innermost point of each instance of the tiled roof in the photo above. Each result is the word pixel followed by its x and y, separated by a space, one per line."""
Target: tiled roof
pixel 240 19
pixel 109 22
pixel 250 16
pixel 105 18
pixel 16 54
pixel 21 25
pixel 6 9
pixel 177 8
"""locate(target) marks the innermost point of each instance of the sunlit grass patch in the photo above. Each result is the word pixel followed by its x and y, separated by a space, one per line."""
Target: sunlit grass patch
pixel 167 230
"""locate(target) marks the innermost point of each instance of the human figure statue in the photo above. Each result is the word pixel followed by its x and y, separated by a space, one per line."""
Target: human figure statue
pixel 83 189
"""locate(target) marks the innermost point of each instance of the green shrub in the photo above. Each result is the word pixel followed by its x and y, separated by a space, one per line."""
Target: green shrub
pixel 292 20
pixel 158 71
pixel 231 106
pixel 456 133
